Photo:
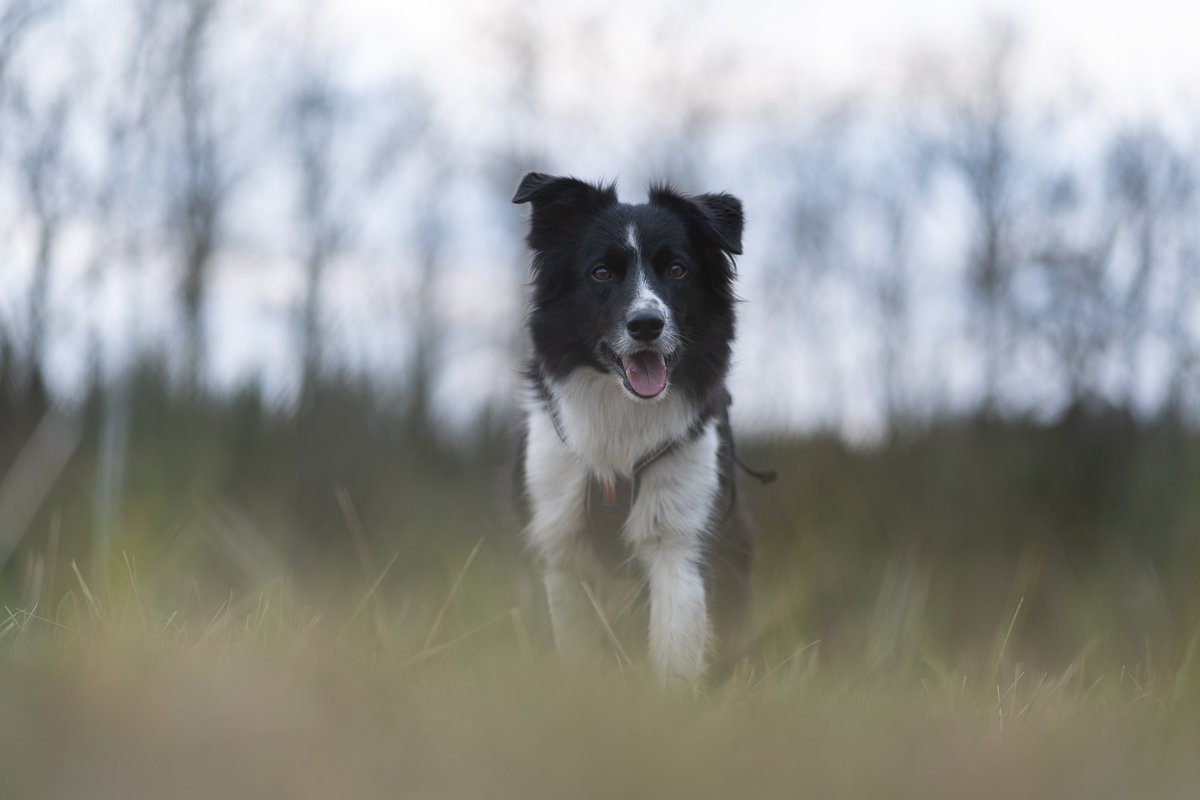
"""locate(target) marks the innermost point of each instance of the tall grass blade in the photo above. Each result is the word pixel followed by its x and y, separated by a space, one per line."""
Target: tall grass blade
pixel 93 603
pixel 367 597
pixel 1004 644
pixel 1181 675
pixel 612 637
pixel 357 534
pixel 437 622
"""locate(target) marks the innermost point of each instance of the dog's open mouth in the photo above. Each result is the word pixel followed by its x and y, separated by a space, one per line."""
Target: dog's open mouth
pixel 645 372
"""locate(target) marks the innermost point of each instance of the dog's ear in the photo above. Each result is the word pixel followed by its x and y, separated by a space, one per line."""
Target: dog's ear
pixel 539 187
pixel 557 201
pixel 724 219
pixel 717 216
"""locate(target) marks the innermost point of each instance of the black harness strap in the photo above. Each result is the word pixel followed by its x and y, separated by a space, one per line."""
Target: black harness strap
pixel 693 433
pixel 608 507
pixel 690 435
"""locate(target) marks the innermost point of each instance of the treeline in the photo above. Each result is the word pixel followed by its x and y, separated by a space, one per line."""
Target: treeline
pixel 198 180
pixel 151 149
pixel 1005 258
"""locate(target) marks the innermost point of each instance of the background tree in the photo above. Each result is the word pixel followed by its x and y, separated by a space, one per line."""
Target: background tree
pixel 1071 255
pixel 50 188
pixel 201 177
pixel 1150 185
pixel 22 381
pixel 980 144
pixel 314 121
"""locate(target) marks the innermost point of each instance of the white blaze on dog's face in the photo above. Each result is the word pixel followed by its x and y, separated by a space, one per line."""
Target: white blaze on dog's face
pixel 639 292
pixel 645 336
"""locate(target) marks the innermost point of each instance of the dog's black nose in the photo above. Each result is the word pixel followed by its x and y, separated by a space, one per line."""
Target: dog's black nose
pixel 645 325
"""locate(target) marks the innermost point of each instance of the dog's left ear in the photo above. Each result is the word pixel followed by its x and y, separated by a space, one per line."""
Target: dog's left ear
pixel 717 216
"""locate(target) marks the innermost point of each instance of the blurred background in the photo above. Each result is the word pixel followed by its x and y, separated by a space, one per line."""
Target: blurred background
pixel 262 286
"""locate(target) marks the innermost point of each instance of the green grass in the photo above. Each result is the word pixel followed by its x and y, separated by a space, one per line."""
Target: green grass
pixel 161 685
pixel 291 609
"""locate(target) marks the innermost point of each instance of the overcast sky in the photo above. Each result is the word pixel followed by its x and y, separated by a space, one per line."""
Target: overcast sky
pixel 1141 56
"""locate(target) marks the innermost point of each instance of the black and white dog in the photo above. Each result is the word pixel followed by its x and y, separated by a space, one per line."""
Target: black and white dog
pixel 631 327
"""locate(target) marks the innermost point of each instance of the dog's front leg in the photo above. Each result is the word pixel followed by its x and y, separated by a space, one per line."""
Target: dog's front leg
pixel 666 528
pixel 557 484
pixel 678 617
pixel 577 634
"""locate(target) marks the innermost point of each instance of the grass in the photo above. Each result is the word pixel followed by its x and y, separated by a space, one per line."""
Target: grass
pixel 334 605
pixel 157 685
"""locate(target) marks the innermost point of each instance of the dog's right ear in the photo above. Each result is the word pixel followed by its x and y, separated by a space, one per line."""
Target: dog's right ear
pixel 558 201
pixel 537 186
pixel 542 190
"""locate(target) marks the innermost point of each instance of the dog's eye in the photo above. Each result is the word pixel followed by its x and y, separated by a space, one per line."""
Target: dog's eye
pixel 676 271
pixel 601 273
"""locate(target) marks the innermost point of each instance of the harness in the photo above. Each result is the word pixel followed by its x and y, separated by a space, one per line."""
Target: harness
pixel 608 503
pixel 690 435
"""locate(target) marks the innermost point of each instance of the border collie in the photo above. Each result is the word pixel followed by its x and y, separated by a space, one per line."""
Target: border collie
pixel 631 325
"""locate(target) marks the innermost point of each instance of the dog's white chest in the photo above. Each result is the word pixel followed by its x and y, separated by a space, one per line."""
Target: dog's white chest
pixel 607 429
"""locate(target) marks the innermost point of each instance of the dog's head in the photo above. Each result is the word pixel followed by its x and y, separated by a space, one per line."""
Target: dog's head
pixel 644 292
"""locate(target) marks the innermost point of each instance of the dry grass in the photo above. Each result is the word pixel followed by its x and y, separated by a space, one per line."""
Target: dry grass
pixel 161 686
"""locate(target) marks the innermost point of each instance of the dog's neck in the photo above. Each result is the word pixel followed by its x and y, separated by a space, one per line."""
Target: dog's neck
pixel 606 427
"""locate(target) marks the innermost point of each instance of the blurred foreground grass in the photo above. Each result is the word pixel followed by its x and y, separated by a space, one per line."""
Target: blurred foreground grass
pixel 335 604
pixel 161 687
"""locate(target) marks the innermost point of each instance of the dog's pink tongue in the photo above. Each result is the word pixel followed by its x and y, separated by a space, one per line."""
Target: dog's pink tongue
pixel 647 372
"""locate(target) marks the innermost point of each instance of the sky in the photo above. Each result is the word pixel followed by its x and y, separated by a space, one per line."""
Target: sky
pixel 1141 56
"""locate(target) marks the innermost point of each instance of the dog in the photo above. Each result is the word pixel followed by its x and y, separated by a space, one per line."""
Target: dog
pixel 628 459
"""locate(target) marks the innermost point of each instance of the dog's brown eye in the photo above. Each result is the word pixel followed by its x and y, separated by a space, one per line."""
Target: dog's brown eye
pixel 601 273
pixel 676 271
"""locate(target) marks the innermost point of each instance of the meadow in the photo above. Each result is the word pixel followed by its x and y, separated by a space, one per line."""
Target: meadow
pixel 333 602
pixel 209 592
